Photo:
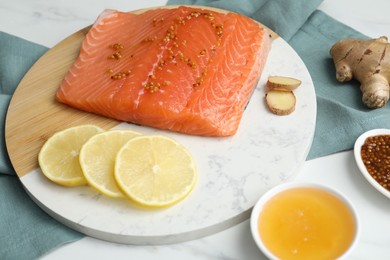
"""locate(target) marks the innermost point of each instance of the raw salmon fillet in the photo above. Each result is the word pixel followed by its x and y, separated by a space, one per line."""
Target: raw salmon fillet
pixel 184 69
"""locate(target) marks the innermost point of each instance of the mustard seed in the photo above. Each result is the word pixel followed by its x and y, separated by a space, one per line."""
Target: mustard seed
pixel 375 153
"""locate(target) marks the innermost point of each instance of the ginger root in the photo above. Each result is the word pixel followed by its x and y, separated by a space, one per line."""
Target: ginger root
pixel 283 83
pixel 280 102
pixel 280 97
pixel 368 61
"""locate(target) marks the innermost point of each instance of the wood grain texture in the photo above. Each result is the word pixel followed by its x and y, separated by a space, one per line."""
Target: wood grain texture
pixel 34 115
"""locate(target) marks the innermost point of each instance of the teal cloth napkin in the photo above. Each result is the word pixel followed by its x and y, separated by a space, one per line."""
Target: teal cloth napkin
pixel 341 116
pixel 27 232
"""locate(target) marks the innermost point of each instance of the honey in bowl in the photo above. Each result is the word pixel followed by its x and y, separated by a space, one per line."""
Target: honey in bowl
pixel 306 223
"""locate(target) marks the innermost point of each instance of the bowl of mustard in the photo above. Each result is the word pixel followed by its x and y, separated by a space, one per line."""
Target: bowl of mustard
pixel 372 155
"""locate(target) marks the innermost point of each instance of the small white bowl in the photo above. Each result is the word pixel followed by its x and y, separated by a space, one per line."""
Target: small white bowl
pixel 358 157
pixel 289 185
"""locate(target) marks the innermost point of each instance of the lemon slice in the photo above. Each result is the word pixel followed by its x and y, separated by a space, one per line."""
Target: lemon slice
pixel 97 159
pixel 155 171
pixel 59 156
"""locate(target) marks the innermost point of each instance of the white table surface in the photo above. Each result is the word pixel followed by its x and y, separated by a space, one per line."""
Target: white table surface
pixel 48 22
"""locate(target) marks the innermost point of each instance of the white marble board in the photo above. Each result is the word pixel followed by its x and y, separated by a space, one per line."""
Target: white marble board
pixel 233 172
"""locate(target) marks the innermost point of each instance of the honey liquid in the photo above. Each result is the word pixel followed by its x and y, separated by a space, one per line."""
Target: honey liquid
pixel 306 223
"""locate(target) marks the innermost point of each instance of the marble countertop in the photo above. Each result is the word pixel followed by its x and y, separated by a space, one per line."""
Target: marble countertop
pixel 48 22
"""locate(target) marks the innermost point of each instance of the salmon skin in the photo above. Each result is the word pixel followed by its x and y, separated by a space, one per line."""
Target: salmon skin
pixel 186 69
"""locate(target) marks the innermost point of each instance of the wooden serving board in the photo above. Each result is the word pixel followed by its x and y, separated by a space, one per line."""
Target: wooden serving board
pixel 233 172
pixel 34 114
